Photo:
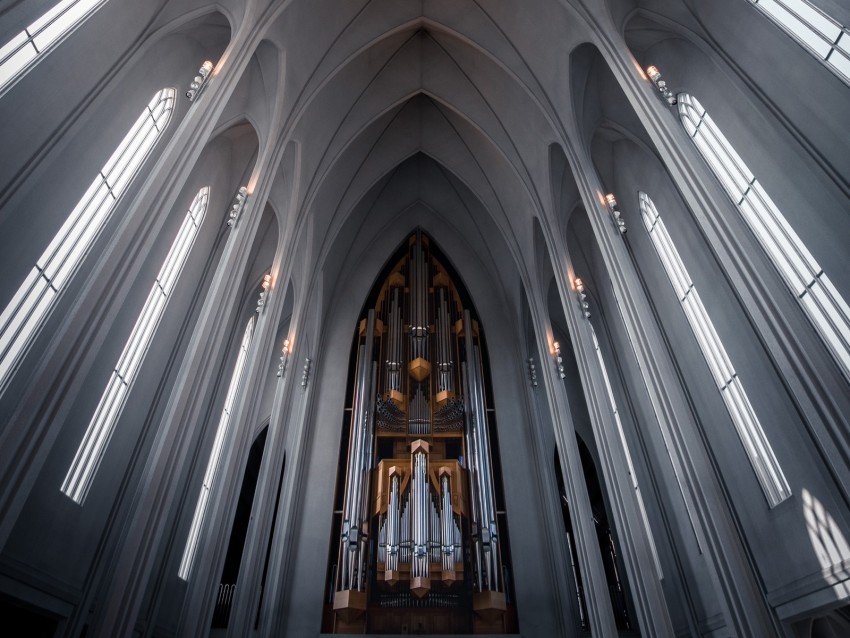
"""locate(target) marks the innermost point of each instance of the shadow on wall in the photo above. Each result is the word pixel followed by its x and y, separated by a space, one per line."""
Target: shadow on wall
pixel 829 543
pixel 833 552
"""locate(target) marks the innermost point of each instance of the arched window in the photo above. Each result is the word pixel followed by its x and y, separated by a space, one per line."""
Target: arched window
pixel 99 431
pixel 28 309
pixel 822 302
pixel 630 465
pixel 30 45
pixel 819 33
pixel 215 455
pixel 755 442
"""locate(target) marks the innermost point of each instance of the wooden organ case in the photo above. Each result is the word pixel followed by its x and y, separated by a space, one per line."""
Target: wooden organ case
pixel 418 544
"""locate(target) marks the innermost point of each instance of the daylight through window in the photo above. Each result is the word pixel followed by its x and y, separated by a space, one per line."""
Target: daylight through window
pixel 28 309
pixel 820 299
pixel 111 404
pixel 743 415
pixel 30 45
pixel 815 30
pixel 215 455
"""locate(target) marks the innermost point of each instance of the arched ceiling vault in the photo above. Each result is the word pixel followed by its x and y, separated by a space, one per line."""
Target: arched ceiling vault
pixel 372 88
pixel 410 95
pixel 419 192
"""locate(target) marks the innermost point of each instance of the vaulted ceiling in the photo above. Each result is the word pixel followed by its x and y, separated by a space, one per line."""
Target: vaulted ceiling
pixel 405 112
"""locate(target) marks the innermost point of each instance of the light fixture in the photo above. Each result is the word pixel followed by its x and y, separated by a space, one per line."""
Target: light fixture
pixel 305 375
pixel 661 85
pixel 615 213
pixel 559 361
pixel 582 298
pixel 532 372
pixel 200 81
pixel 284 358
pixel 261 302
pixel 238 206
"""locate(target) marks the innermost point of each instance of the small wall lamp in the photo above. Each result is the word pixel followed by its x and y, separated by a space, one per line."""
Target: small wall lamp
pixel 559 361
pixel 238 206
pixel 284 358
pixel 200 81
pixel 615 213
pixel 582 298
pixel 655 75
pixel 261 302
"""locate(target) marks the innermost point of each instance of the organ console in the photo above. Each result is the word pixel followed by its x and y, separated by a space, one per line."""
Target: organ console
pixel 418 545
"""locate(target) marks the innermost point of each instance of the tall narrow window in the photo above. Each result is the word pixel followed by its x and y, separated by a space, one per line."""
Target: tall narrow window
pixel 215 455
pixel 111 404
pixel 31 44
pixel 743 415
pixel 669 444
pixel 31 304
pixel 821 301
pixel 631 467
pixel 819 33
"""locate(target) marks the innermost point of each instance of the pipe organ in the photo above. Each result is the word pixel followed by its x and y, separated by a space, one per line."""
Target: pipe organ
pixel 418 545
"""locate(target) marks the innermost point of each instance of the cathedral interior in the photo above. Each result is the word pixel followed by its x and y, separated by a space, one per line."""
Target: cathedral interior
pixel 425 317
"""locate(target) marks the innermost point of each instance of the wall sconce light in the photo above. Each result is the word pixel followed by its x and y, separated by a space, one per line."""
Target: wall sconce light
pixel 615 213
pixel 284 358
pixel 261 302
pixel 661 85
pixel 559 361
pixel 582 298
pixel 532 372
pixel 305 376
pixel 200 81
pixel 238 206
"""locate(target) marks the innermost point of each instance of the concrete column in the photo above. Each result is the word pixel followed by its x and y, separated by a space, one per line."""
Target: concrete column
pixel 293 430
pixel 41 408
pixel 730 566
pixel 159 490
pixel 808 370
pixel 599 609
pixel 645 586
pixel 224 494
pixel 550 499
pixel 249 587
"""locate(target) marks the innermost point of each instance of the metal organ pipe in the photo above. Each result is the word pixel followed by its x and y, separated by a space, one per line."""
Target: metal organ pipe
pixel 404 532
pixel 447 531
pixel 444 357
pixel 489 563
pixel 472 469
pixel 366 476
pixel 394 343
pixel 419 489
pixel 353 541
pixel 419 301
pixel 393 525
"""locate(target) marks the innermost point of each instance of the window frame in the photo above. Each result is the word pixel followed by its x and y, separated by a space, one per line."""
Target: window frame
pixel 30 307
pixel 821 302
pixel 756 445
pixel 30 35
pixel 99 432
pixel 839 46
pixel 234 388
